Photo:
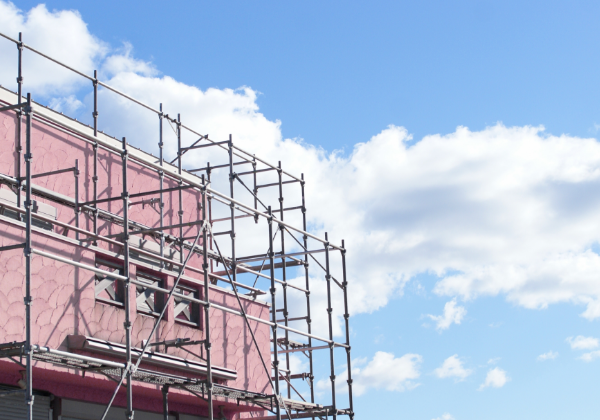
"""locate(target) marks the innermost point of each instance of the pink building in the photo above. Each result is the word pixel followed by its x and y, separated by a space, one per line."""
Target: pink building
pixel 140 306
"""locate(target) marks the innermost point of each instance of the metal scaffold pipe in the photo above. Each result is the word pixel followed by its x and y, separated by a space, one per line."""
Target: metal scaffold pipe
pixel 18 147
pixel 27 254
pixel 207 343
pixel 126 273
pixel 347 322
pixel 307 294
pixel 274 314
pixel 330 319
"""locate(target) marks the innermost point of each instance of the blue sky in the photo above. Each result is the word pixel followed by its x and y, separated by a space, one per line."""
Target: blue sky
pixel 335 73
pixel 494 230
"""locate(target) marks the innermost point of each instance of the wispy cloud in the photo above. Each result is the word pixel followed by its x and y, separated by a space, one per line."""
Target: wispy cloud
pixel 588 357
pixel 551 355
pixel 453 314
pixel 583 343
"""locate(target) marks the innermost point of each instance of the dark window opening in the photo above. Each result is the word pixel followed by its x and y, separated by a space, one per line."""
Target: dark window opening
pixel 149 301
pixel 185 311
pixel 108 289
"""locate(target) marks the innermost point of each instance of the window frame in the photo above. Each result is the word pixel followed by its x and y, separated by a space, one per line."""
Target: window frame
pixel 118 286
pixel 158 298
pixel 195 311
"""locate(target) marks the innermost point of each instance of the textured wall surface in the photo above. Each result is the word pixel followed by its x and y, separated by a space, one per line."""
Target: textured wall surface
pixel 63 296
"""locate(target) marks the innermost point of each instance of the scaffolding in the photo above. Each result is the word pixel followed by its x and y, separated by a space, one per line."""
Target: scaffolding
pixel 295 247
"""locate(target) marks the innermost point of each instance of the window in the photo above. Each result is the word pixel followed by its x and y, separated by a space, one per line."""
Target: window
pixel 108 289
pixel 149 301
pixel 185 311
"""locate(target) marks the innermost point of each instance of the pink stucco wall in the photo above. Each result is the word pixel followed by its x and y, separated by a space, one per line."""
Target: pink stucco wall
pixel 63 296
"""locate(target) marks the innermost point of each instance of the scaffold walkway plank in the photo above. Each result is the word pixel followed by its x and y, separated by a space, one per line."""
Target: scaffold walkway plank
pixel 324 412
pixel 115 370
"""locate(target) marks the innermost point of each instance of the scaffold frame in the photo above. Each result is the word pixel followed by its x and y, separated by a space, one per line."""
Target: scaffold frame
pixel 204 243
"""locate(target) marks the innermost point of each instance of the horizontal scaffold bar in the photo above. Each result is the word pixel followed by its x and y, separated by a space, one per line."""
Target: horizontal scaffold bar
pixel 210 168
pixel 59 171
pixel 301 349
pixel 166 190
pixel 15 106
pixel 201 146
pixel 257 171
pixel 10 247
pixel 274 184
pixel 158 229
pixel 205 137
pixel 266 267
pixel 293 254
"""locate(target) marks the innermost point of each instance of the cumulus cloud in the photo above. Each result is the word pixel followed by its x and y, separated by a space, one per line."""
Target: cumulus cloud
pixel 452 368
pixel 551 355
pixel 453 314
pixel 384 371
pixel 583 343
pixel 495 378
pixel 60 34
pixel 503 211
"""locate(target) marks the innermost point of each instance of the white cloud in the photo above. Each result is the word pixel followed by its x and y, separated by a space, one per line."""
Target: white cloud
pixel 445 416
pixel 453 314
pixel 496 378
pixel 124 62
pixel 551 355
pixel 503 211
pixel 68 105
pixel 60 34
pixel 588 357
pixel 583 343
pixel 384 371
pixel 452 368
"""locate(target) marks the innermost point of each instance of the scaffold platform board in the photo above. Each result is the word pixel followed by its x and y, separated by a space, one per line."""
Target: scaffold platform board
pixel 116 369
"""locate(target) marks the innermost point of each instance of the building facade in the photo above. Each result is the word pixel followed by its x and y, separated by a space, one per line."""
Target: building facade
pixel 76 310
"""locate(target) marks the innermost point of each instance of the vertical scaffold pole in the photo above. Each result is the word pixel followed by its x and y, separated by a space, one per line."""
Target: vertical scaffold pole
pixel 207 343
pixel 95 113
pixel 347 320
pixel 76 175
pixel 95 177
pixel 273 290
pixel 27 252
pixel 232 213
pixel 179 155
pixel 127 324
pixel 255 190
pixel 165 392
pixel 284 278
pixel 307 287
pixel 161 175
pixel 209 203
pixel 330 319
pixel 18 147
